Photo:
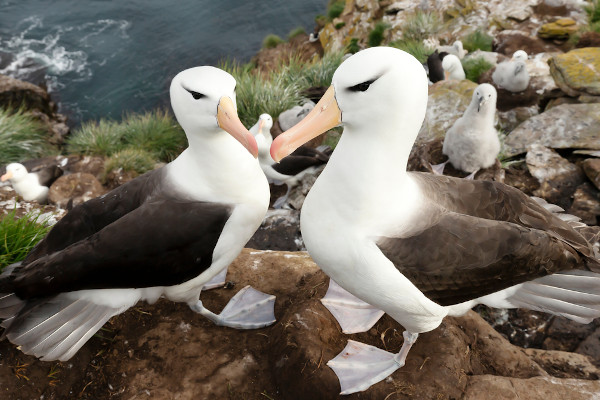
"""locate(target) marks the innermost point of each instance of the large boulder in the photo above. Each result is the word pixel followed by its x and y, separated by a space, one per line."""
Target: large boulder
pixel 74 189
pixel 576 72
pixel 562 127
pixel 447 102
pixel 166 350
pixel 560 29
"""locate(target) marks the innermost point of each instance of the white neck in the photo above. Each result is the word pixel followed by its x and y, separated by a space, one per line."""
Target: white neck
pixel 216 167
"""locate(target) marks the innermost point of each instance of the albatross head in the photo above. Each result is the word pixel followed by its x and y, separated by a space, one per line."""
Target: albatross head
pixel 377 91
pixel 484 98
pixel 14 172
pixel 203 100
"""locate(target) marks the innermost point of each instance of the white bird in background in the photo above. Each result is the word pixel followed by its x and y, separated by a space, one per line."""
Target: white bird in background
pixel 165 233
pixel 456 49
pixel 433 245
pixel 290 171
pixel 453 68
pixel 27 185
pixel 512 75
pixel 472 142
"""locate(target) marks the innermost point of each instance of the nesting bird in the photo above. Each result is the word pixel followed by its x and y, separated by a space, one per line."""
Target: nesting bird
pixel 31 186
pixel 165 233
pixel 291 170
pixel 453 68
pixel 472 142
pixel 512 75
pixel 433 245
pixel 435 68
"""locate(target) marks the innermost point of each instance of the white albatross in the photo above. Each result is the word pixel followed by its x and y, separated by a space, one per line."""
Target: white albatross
pixel 27 184
pixel 472 142
pixel 165 233
pixel 512 75
pixel 420 246
pixel 453 68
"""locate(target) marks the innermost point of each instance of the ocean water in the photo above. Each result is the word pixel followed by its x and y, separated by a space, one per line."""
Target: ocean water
pixel 103 58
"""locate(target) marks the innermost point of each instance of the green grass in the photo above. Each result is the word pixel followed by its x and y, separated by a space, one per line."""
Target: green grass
pixel 131 160
pixel 420 26
pixel 414 47
pixel 21 137
pixel 377 34
pixel 155 132
pixel 474 67
pixel 271 41
pixel 340 25
pixel 477 40
pixel 96 138
pixel 280 89
pixel 593 11
pixel 335 9
pixel 353 46
pixel 296 32
pixel 18 236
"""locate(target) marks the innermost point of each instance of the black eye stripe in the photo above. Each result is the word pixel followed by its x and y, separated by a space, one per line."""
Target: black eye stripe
pixel 195 95
pixel 361 87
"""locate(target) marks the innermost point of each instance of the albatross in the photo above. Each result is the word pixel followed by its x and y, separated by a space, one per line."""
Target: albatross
pixel 166 233
pixel 472 142
pixel 290 171
pixel 31 186
pixel 420 246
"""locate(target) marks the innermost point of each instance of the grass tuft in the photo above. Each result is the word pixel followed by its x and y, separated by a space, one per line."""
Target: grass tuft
pixel 474 67
pixel 414 47
pixel 155 132
pixel 420 26
pixel 477 40
pixel 131 159
pixel 21 137
pixel 296 32
pixel 19 235
pixel 593 11
pixel 336 9
pixel 96 138
pixel 377 34
pixel 271 41
pixel 353 46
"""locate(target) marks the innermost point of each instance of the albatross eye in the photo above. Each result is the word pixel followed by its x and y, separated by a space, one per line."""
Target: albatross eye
pixel 195 95
pixel 361 87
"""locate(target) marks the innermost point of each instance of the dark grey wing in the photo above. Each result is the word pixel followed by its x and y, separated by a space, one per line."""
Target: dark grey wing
pixel 497 202
pixel 161 243
pixel 459 258
pixel 93 215
pixel 46 176
pixel 292 165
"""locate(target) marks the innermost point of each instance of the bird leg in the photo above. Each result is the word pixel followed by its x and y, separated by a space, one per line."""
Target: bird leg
pixel 359 365
pixel 217 280
pixel 281 201
pixel 438 169
pixel 248 309
pixel 353 314
pixel 471 176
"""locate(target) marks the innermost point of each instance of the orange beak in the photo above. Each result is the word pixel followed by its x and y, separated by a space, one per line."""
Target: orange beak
pixel 323 117
pixel 229 121
pixel 260 126
pixel 6 176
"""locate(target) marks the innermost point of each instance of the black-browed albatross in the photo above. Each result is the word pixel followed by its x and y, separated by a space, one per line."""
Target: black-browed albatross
pixel 304 160
pixel 165 233
pixel 420 246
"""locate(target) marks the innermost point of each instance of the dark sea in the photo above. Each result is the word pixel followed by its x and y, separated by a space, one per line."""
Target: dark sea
pixel 101 58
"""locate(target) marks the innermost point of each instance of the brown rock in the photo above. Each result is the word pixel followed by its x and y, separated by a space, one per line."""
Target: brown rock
pixel 509 41
pixel 586 204
pixel 14 93
pixel 589 39
pixel 591 167
pixel 78 188
pixel 558 177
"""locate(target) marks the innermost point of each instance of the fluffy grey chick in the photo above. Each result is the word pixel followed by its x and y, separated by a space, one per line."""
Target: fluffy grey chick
pixel 472 142
pixel 512 75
